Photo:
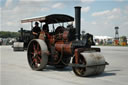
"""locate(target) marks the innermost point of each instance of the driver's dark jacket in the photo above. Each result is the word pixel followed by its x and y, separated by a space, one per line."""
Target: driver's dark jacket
pixel 36 29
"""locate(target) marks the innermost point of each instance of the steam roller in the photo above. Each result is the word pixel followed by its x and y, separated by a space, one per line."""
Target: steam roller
pixel 65 47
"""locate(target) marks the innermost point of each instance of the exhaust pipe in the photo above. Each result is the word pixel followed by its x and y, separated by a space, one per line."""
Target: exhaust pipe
pixel 77 21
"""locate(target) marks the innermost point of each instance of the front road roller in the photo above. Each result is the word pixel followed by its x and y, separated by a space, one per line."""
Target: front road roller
pixel 88 64
pixel 18 46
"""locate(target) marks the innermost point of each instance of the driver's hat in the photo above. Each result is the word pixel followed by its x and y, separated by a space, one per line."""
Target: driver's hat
pixel 36 23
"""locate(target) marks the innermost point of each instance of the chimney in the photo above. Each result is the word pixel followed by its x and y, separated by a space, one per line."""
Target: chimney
pixel 77 21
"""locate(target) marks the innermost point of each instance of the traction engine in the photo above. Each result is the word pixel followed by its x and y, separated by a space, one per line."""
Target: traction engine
pixel 65 47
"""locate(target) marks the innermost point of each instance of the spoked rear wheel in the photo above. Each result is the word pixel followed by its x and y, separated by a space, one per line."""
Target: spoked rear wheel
pixel 37 54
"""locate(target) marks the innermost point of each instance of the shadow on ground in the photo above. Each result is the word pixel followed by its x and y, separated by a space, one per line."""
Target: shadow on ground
pixel 52 68
pixel 67 69
pixel 105 74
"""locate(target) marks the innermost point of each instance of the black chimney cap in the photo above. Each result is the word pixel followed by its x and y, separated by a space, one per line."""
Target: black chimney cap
pixel 77 7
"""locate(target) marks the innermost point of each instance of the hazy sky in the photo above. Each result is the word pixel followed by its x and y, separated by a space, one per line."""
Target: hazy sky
pixel 99 17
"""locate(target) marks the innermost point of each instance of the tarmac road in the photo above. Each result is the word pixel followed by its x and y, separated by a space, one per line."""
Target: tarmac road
pixel 16 71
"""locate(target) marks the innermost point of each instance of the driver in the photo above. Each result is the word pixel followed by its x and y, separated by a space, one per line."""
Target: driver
pixel 36 30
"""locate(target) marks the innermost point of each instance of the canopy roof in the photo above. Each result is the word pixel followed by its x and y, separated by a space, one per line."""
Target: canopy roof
pixel 50 19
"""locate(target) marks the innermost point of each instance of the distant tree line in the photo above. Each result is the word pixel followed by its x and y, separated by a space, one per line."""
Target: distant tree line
pixel 8 34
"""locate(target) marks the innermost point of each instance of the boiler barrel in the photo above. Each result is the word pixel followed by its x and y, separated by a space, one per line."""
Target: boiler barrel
pixel 63 47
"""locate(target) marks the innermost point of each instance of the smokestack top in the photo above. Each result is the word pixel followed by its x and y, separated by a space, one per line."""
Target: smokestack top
pixel 77 7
